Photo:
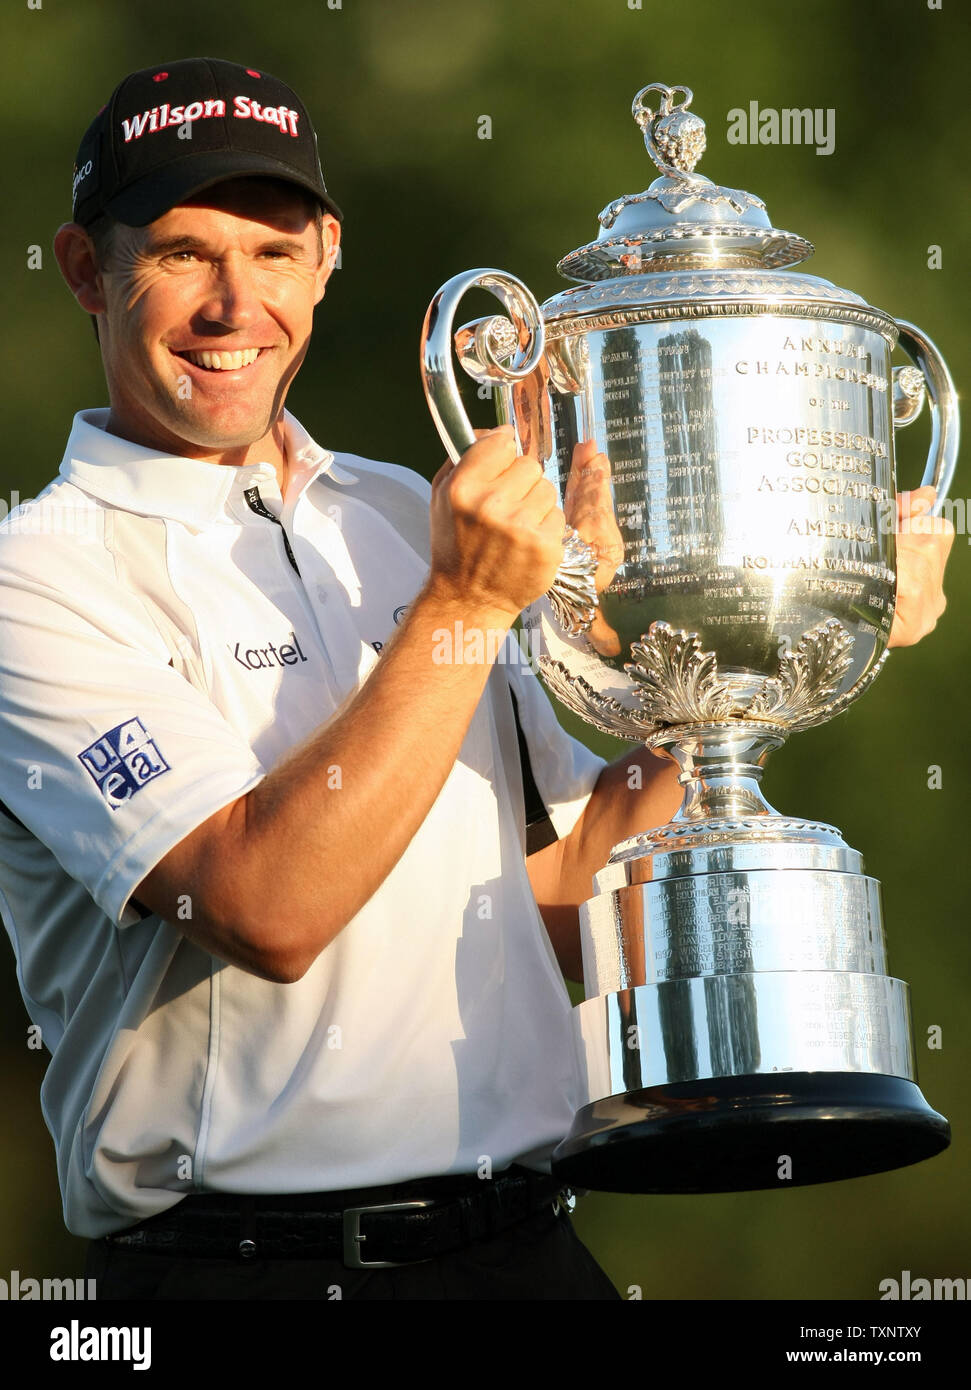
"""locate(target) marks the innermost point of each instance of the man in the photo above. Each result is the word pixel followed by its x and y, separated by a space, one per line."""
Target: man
pixel 264 860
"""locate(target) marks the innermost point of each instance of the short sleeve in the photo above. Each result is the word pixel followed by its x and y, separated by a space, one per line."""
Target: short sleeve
pixel 108 755
pixel 564 769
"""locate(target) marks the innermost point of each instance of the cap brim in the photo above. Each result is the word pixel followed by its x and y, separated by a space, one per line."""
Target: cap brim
pixel 150 197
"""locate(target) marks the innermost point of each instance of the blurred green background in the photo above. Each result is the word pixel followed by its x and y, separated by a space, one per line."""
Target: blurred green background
pixel 396 91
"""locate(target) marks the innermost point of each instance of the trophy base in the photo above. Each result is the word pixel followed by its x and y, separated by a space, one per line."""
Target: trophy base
pixel 734 1133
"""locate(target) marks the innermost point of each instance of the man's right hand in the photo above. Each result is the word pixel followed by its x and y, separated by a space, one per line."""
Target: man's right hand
pixel 496 530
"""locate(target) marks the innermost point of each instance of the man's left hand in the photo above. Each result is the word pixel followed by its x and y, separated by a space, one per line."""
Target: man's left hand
pixel 923 546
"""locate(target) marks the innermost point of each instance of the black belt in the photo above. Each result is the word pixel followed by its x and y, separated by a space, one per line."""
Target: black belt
pixel 367 1228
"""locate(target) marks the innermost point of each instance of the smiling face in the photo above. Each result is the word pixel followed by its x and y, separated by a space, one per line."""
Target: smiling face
pixel 205 316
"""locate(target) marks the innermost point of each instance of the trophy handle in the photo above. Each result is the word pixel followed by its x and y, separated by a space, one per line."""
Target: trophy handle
pixel 908 397
pixel 573 594
pixel 437 372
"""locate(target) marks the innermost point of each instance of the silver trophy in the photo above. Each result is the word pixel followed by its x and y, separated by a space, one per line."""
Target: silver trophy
pixel 739 1014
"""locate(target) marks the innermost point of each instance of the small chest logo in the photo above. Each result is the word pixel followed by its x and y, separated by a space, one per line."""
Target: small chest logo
pixel 122 761
pixel 263 658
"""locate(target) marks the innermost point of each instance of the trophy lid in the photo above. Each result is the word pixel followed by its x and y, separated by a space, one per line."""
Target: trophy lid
pixel 684 221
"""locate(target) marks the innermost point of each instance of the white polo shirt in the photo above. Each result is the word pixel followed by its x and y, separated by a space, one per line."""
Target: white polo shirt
pixel 169 629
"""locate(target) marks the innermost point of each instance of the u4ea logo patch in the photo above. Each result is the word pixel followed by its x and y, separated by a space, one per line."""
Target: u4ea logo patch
pixel 122 761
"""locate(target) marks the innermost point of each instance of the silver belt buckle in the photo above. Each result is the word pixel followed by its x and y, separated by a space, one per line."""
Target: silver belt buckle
pixel 353 1236
pixel 565 1201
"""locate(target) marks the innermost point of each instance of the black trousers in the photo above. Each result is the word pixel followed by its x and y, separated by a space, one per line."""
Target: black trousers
pixel 539 1258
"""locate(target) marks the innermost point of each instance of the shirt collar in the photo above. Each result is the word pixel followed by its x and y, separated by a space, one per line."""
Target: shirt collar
pixel 191 491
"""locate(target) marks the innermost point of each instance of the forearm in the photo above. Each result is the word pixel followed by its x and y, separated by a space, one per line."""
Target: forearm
pixel 633 794
pixel 325 827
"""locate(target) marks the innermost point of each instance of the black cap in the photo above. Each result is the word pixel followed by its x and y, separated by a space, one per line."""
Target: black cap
pixel 170 131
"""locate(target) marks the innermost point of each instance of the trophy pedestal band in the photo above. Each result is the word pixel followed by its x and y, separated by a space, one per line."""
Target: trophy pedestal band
pixel 734 1133
pixel 774 1023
